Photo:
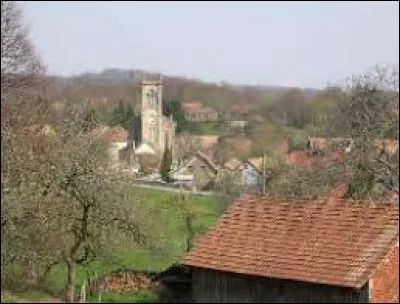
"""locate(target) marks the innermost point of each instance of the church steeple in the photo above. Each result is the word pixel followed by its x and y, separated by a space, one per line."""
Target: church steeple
pixel 155 127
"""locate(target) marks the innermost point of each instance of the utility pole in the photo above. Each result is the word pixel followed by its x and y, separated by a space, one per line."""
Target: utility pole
pixel 263 173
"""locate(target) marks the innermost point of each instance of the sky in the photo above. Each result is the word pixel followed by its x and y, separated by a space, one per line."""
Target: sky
pixel 304 44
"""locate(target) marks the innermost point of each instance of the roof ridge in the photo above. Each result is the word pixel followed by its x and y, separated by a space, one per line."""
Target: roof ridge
pixel 325 198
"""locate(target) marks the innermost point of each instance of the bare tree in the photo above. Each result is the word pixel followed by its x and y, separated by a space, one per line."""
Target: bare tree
pixel 90 207
pixel 22 107
pixel 290 181
pixel 184 145
pixel 59 203
pixel 71 210
pixel 190 214
pixel 366 114
pixel 20 65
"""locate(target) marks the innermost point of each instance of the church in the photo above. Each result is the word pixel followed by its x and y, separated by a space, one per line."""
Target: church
pixel 152 131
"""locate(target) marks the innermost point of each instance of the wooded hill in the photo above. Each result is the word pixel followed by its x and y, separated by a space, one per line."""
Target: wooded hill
pixel 120 84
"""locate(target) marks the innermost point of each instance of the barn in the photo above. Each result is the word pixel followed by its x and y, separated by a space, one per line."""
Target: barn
pixel 268 250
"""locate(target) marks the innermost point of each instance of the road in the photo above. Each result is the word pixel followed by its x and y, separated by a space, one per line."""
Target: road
pixel 170 189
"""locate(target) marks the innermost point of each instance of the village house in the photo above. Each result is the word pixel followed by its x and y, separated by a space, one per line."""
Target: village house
pixel 319 145
pixel 198 172
pixel 327 250
pixel 247 173
pixel 195 111
pixel 232 164
pixel 230 173
pixel 389 146
pixel 238 123
pixel 252 172
pixel 304 159
pixel 237 112
pixel 326 146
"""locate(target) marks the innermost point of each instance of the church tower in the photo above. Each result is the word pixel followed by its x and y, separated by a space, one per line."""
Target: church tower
pixel 151 113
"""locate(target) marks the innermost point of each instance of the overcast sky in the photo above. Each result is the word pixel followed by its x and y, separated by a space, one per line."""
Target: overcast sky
pixel 302 44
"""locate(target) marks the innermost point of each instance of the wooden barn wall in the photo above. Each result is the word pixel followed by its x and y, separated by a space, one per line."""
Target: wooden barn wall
pixel 210 286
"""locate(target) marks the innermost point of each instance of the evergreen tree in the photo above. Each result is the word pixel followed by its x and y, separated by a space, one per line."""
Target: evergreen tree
pixel 166 162
pixel 165 166
pixel 173 107
pixel 129 116
pixel 90 120
pixel 118 115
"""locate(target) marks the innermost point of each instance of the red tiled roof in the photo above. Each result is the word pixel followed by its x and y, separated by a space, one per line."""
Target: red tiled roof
pixel 302 158
pixel 116 134
pixel 192 106
pixel 326 241
pixel 244 109
pixel 385 281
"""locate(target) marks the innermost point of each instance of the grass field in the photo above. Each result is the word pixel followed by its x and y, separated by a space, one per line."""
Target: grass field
pixel 113 297
pixel 5 298
pixel 204 128
pixel 171 233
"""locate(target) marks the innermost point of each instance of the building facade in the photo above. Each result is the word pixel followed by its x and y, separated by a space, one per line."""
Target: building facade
pixel 195 111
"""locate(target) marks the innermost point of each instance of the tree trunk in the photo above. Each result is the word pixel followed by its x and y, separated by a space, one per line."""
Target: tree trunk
pixel 71 281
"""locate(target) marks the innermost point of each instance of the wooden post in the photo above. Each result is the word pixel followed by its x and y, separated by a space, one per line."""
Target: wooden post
pixel 83 293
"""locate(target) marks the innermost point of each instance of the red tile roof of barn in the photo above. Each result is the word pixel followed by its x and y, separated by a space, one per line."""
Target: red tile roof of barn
pixel 326 241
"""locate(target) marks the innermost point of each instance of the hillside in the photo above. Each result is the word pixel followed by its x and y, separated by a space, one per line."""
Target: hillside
pixel 122 84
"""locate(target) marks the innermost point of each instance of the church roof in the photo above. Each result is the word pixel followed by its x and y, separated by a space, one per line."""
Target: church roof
pixel 145 148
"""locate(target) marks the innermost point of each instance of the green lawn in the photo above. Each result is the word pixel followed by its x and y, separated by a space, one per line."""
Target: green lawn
pixel 113 297
pixel 5 298
pixel 32 295
pixel 204 128
pixel 169 230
